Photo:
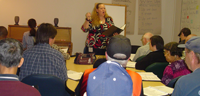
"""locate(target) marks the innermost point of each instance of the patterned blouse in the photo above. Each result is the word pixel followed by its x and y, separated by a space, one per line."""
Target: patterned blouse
pixel 173 70
pixel 95 38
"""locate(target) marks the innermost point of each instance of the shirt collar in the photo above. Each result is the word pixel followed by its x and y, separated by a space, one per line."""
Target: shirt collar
pixel 8 77
pixel 147 43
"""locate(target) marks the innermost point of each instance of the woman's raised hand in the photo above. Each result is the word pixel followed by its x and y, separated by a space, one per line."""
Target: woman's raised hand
pixel 88 16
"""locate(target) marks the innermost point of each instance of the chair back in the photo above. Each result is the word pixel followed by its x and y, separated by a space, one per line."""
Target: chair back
pixel 134 48
pixel 173 82
pixel 99 62
pixel 157 68
pixel 140 58
pixel 48 85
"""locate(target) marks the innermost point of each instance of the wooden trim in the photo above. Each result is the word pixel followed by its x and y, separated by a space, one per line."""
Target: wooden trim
pixel 17 26
pixel 63 37
pixel 63 27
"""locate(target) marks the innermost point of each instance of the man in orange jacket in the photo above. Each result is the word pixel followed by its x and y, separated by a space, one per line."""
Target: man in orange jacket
pixel 118 50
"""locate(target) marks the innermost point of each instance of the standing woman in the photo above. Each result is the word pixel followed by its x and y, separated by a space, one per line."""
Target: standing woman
pixel 29 37
pixel 96 24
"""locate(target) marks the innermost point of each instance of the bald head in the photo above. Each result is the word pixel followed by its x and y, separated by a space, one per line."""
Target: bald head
pixel 189 36
pixel 146 38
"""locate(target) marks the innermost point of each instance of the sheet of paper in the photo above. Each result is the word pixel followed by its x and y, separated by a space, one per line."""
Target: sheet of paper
pixel 74 75
pixel 131 64
pixel 149 91
pixel 164 89
pixel 132 56
pixel 157 90
pixel 148 76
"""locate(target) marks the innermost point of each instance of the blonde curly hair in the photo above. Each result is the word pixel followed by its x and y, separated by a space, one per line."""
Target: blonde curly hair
pixel 95 16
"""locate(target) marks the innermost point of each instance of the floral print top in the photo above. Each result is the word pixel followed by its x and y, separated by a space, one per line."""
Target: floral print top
pixel 95 37
pixel 173 70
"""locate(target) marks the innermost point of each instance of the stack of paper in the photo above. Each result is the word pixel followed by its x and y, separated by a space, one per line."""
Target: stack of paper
pixel 74 75
pixel 157 91
pixel 131 64
pixel 148 76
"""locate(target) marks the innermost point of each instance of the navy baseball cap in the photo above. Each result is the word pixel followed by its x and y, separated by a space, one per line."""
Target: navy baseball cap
pixel 192 44
pixel 119 47
pixel 109 79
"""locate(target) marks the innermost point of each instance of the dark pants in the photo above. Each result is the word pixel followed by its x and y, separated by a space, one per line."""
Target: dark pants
pixel 96 51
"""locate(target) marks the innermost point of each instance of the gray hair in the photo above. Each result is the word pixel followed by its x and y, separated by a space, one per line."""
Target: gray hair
pixel 198 57
pixel 122 62
pixel 10 52
pixel 196 54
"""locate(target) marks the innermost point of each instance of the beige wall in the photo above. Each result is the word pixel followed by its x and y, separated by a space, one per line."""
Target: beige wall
pixel 168 19
pixel 177 20
pixel 71 13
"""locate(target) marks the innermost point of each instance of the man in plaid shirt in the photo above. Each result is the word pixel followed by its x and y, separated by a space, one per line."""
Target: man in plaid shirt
pixel 42 58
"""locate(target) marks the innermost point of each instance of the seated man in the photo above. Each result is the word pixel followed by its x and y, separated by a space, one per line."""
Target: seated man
pixel 110 79
pixel 42 58
pixel 183 34
pixel 157 55
pixel 182 46
pixel 189 85
pixel 143 50
pixel 118 50
pixel 10 59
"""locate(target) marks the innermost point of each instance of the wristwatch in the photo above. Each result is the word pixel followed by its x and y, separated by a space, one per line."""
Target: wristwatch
pixel 87 19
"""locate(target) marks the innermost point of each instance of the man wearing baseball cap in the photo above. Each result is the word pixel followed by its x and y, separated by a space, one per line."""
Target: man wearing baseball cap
pixel 189 85
pixel 183 35
pixel 111 78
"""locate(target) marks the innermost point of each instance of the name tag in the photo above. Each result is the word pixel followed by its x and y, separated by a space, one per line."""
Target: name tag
pixel 90 49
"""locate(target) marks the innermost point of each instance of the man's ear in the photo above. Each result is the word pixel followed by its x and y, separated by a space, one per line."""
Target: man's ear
pixel 154 47
pixel 182 33
pixel 145 40
pixel 193 61
pixel 21 62
pixel 51 41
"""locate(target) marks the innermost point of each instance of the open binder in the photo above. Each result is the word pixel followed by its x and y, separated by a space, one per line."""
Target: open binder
pixel 113 29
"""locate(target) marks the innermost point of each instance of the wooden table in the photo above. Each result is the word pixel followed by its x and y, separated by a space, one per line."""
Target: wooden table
pixel 81 68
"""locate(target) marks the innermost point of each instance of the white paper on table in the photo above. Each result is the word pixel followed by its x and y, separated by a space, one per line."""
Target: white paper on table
pixel 131 64
pixel 157 91
pixel 148 76
pixel 164 89
pixel 74 75
pixel 132 56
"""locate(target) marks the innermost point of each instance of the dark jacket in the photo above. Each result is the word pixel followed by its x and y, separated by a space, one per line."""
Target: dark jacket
pixel 152 57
